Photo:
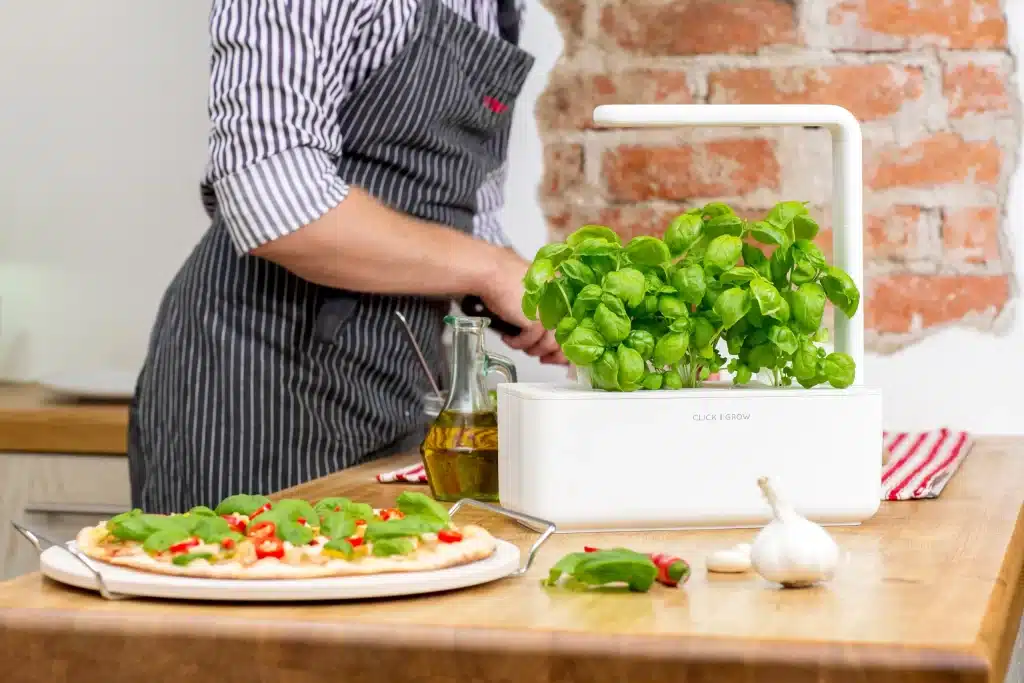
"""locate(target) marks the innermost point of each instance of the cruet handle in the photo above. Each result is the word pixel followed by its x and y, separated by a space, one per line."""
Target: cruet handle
pixel 496 363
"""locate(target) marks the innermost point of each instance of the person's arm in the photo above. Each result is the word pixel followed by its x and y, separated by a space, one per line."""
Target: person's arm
pixel 274 146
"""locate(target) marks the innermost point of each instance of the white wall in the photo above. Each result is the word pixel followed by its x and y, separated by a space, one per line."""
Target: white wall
pixel 102 143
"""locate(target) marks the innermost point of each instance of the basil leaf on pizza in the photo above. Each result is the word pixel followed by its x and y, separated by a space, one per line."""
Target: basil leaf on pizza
pixel 398 528
pixel 337 525
pixel 416 504
pixel 241 504
pixel 392 546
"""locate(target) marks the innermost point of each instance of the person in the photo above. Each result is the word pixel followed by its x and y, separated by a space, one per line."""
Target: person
pixel 356 164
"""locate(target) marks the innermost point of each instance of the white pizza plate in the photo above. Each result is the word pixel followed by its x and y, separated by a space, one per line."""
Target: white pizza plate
pixel 60 565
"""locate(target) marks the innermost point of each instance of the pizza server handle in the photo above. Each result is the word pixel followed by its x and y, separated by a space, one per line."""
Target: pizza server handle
pixel 530 522
pixel 38 540
pixel 474 306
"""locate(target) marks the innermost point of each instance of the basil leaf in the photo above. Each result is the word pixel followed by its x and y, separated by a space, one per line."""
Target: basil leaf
pixel 769 300
pixel 839 369
pixel 642 342
pixel 690 283
pixel 407 526
pixel 341 546
pixel 627 284
pixel 726 224
pixel 212 529
pixel 586 301
pixel 416 504
pixel 202 511
pixel 737 275
pixel 555 252
pixel 294 510
pixel 241 504
pixel 652 381
pixel 294 533
pixel 647 251
pixel 540 272
pixel 604 373
pixel 732 305
pixel 529 304
pixel 161 541
pixel 631 366
pixel 670 349
pixel 337 525
pixel 723 253
pixel 807 305
pixel 584 346
pixel 565 328
pixel 591 232
pixel 841 291
pixel 684 232
pixel 612 326
pixel 554 304
pixel 784 339
pixel 392 546
pixel 189 558
pixel 578 272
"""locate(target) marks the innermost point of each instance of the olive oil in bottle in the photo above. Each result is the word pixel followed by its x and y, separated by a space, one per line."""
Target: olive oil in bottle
pixel 460 450
pixel 460 455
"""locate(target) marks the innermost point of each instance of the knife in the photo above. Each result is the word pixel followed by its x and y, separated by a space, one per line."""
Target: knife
pixel 473 305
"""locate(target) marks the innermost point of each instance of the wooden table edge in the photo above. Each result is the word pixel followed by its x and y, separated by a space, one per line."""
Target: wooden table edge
pixel 822 656
pixel 1005 606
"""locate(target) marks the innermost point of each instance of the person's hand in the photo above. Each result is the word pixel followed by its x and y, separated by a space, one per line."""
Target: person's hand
pixel 503 294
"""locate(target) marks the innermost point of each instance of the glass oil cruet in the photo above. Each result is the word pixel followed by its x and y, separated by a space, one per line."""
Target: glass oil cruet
pixel 460 451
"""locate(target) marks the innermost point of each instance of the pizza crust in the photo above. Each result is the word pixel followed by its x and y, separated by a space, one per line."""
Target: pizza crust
pixel 477 544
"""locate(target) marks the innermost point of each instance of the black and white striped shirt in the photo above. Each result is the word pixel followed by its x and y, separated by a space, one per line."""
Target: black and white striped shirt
pixel 280 73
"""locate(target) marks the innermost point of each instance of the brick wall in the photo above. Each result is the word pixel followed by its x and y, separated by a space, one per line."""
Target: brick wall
pixel 931 82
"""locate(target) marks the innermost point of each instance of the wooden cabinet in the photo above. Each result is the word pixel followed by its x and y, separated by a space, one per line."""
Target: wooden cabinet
pixel 55 496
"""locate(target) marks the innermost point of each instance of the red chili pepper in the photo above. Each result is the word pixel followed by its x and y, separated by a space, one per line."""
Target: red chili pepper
pixel 671 570
pixel 183 546
pixel 262 530
pixel 360 522
pixel 263 508
pixel 227 543
pixel 269 547
pixel 391 513
pixel 449 536
pixel 355 541
pixel 315 541
pixel 236 523
pixel 301 520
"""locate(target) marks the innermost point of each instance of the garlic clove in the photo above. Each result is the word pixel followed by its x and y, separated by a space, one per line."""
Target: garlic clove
pixel 731 561
pixel 792 550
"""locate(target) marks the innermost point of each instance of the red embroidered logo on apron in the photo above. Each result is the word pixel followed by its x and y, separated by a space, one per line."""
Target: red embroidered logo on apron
pixel 494 105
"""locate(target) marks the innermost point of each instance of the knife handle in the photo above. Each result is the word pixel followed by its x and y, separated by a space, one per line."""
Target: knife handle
pixel 474 306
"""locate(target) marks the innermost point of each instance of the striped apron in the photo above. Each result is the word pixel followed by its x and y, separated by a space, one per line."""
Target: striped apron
pixel 256 380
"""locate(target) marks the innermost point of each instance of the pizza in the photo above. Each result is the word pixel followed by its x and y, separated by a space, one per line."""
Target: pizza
pixel 250 537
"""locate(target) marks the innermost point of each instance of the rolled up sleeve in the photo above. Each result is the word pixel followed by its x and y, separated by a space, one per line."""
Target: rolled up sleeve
pixel 274 140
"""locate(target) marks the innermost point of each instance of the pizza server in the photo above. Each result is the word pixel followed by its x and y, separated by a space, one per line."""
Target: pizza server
pixel 356 163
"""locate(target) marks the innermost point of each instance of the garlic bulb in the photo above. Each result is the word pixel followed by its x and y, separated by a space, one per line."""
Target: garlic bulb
pixel 791 549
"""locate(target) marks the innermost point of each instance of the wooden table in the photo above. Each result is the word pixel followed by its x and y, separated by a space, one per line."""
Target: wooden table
pixel 34 421
pixel 929 591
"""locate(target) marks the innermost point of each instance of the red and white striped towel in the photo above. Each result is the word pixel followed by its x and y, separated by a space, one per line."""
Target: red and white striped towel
pixel 413 474
pixel 920 464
